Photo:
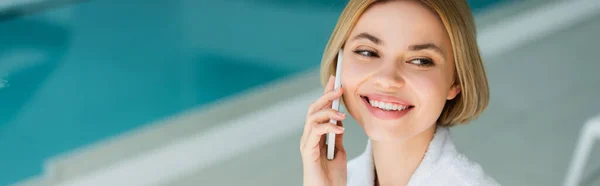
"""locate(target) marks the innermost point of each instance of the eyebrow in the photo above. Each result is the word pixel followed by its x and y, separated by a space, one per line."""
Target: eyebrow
pixel 417 47
pixel 426 46
pixel 370 37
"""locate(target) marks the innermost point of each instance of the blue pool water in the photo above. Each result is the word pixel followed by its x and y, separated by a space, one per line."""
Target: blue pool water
pixel 86 71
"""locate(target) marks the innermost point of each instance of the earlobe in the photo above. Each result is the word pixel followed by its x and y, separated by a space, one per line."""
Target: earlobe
pixel 454 90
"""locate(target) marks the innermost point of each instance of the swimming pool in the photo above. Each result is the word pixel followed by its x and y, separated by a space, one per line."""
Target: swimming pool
pixel 86 71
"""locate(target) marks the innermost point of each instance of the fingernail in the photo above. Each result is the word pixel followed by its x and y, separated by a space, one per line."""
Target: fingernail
pixel 330 77
pixel 341 128
pixel 341 114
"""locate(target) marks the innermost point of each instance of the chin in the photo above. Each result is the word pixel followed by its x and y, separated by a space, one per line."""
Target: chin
pixel 384 131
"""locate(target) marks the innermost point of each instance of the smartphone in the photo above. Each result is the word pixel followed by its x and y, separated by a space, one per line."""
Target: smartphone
pixel 330 140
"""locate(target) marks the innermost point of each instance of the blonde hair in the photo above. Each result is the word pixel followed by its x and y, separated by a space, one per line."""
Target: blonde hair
pixel 470 74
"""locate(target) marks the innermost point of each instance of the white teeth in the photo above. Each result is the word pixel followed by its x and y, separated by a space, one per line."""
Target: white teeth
pixel 386 106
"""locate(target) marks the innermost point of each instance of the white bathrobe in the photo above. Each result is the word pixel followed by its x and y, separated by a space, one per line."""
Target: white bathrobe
pixel 441 166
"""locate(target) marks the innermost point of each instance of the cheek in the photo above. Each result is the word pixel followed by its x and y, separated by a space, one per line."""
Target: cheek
pixel 431 90
pixel 355 73
pixel 353 76
pixel 357 70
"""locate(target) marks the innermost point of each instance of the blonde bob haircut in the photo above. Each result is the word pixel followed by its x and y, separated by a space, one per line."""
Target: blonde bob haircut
pixel 470 73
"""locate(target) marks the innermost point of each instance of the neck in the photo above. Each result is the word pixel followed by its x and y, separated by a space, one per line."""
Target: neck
pixel 395 162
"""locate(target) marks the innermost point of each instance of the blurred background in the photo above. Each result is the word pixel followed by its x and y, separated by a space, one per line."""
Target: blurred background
pixel 188 92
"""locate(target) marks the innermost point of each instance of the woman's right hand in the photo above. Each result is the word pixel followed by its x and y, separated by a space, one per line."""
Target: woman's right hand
pixel 317 169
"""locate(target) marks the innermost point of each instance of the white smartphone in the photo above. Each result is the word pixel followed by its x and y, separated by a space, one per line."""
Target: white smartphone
pixel 330 141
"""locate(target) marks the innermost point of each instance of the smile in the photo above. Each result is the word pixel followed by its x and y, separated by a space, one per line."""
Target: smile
pixel 386 107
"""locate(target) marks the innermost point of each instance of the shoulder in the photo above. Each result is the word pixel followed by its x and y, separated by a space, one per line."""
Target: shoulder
pixel 461 170
pixel 354 165
pixel 360 169
pixel 452 166
pixel 443 164
pixel 362 162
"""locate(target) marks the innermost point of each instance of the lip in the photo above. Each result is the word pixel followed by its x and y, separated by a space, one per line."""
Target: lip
pixel 386 115
pixel 388 99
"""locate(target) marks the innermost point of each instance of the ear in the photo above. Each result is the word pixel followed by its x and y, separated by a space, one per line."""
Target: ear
pixel 454 90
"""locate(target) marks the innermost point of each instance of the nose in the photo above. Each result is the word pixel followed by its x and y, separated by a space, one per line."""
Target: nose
pixel 388 79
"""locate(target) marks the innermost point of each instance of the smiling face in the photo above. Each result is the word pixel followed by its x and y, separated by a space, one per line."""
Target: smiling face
pixel 398 70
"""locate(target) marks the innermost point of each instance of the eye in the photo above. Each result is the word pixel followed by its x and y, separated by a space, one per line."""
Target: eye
pixel 423 62
pixel 366 53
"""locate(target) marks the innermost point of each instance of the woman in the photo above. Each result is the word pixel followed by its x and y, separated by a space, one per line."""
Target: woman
pixel 412 69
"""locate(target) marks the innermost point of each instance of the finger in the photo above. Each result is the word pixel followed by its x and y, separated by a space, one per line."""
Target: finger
pixel 323 142
pixel 337 150
pixel 324 146
pixel 312 140
pixel 339 139
pixel 325 115
pixel 325 100
pixel 339 143
pixel 321 116
pixel 330 84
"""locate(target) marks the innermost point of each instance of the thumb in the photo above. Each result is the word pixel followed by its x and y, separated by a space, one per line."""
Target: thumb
pixel 339 140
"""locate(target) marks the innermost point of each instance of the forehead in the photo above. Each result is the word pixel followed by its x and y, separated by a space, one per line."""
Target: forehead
pixel 402 23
